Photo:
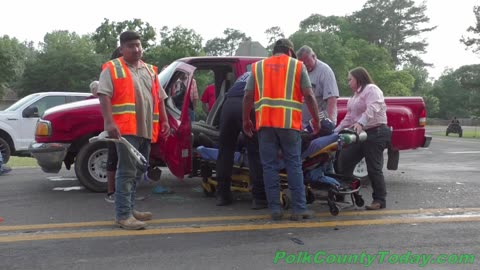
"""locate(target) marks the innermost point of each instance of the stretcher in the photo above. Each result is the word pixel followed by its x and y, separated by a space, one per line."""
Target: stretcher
pixel 316 158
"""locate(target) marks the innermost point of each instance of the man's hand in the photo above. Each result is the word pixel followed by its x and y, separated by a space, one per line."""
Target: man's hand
pixel 164 129
pixel 113 131
pixel 248 128
pixel 316 125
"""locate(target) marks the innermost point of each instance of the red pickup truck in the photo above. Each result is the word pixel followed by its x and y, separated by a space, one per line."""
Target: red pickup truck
pixel 63 132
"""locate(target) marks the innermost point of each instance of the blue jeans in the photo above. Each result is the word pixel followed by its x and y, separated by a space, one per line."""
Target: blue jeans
pixel 127 175
pixel 271 140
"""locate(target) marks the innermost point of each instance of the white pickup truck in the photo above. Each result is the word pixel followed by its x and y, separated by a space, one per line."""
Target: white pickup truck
pixel 17 122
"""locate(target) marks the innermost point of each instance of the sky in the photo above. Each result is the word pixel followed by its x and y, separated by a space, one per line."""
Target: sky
pixel 30 20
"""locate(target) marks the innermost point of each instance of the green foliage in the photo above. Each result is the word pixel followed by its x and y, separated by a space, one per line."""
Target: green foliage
pixel 176 43
pixel 395 83
pixel 227 45
pixel 459 92
pixel 473 41
pixel 372 57
pixel 432 103
pixel 106 36
pixel 66 62
pixel 394 25
pixel 203 78
pixel 451 95
pixel 13 58
pixel 273 34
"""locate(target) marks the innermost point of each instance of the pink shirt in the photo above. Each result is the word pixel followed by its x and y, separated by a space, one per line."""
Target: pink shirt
pixel 366 107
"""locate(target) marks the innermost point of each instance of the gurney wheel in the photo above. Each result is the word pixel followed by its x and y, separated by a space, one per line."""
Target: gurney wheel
pixel 334 210
pixel 284 201
pixel 310 196
pixel 208 189
pixel 359 200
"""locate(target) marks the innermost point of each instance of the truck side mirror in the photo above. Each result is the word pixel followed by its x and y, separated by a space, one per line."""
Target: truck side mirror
pixel 30 112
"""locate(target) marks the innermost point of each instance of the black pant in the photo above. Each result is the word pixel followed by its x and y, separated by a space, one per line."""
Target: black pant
pixel 372 149
pixel 230 128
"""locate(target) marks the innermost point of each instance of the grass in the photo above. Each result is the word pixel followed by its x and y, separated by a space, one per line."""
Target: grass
pixel 473 134
pixel 22 162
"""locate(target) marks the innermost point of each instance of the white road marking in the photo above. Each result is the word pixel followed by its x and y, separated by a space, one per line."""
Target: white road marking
pixel 465 152
pixel 68 188
pixel 61 178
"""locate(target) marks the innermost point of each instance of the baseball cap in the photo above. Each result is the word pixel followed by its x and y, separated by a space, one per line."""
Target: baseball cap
pixel 283 42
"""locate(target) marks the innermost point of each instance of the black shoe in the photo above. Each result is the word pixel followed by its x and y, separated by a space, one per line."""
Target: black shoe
pixel 223 200
pixel 259 204
pixel 277 216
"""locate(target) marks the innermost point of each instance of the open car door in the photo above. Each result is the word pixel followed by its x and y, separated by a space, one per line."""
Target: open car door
pixel 176 150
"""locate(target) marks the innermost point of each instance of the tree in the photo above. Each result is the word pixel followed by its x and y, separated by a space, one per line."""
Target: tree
pixel 473 42
pixel 107 35
pixel 469 78
pixel 66 62
pixel 226 45
pixel 375 59
pixel 174 44
pixel 13 58
pixel 273 33
pixel 233 38
pixel 395 83
pixel 216 47
pixel 451 95
pixel 394 25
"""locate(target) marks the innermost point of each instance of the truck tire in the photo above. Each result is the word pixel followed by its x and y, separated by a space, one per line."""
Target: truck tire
pixel 5 150
pixel 91 166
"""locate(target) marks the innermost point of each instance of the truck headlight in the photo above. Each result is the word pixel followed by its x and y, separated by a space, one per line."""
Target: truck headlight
pixel 43 128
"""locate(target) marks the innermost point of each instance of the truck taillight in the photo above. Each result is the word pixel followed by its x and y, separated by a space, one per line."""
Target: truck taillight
pixel 422 119
pixel 43 128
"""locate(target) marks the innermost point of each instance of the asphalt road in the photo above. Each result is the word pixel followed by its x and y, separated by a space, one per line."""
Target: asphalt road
pixel 49 222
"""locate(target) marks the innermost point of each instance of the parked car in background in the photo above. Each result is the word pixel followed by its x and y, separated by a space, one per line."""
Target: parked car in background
pixel 17 122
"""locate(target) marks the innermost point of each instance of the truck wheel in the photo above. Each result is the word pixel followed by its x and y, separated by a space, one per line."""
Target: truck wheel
pixel 5 150
pixel 91 166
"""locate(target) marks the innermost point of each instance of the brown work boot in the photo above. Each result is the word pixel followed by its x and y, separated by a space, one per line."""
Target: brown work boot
pixel 376 205
pixel 131 223
pixel 142 216
pixel 307 214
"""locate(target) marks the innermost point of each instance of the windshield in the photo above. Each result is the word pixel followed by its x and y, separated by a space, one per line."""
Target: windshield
pixel 21 102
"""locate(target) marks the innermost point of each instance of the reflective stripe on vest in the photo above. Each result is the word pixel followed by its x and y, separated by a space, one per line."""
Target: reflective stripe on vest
pixel 278 96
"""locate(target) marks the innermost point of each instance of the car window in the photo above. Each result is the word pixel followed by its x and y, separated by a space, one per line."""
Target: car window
pixel 47 103
pixel 75 98
pixel 21 102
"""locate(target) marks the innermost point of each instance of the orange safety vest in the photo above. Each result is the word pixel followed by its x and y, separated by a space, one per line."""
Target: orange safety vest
pixel 123 101
pixel 278 94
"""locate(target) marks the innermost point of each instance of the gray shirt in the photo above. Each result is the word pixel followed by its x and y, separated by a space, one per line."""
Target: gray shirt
pixel 142 80
pixel 324 85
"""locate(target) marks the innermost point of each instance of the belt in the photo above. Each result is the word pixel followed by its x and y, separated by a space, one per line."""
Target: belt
pixel 375 128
